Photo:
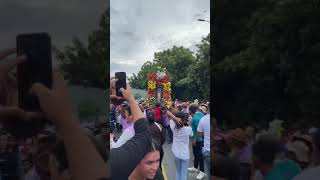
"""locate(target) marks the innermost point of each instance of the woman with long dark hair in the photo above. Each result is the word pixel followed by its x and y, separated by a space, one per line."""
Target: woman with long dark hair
pixel 157 132
pixel 180 146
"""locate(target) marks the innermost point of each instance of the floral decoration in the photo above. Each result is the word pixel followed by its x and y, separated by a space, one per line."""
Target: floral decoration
pixel 151 85
pixel 159 79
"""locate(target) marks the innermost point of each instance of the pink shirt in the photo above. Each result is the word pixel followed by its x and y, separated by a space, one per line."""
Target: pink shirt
pixel 123 122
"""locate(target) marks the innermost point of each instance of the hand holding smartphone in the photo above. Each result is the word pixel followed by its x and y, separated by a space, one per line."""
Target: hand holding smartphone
pixel 120 83
pixel 37 67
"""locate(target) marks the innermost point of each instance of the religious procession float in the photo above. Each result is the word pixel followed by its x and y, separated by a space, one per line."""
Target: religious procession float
pixel 159 88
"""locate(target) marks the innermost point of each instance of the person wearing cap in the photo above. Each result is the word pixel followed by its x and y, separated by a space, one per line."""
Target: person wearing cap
pixel 264 152
pixel 203 130
pixel 313 172
pixel 299 149
pixel 203 109
pixel 197 142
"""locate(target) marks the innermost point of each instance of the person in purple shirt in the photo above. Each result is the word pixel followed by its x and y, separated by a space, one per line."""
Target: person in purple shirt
pixel 122 118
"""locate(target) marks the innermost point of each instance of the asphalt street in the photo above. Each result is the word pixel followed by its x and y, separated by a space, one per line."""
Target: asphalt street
pixel 169 166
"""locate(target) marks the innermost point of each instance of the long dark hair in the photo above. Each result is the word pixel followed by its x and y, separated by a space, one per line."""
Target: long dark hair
pixel 150 117
pixel 183 117
pixel 155 145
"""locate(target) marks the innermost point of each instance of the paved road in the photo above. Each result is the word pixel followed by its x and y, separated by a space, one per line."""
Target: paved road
pixel 169 167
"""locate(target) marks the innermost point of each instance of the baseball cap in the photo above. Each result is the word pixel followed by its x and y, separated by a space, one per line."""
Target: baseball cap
pixel 203 109
pixel 300 149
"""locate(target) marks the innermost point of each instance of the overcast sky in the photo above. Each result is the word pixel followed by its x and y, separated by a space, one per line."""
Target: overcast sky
pixel 141 27
pixel 62 19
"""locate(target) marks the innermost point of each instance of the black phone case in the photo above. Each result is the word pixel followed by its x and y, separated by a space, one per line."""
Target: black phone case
pixel 121 82
pixel 37 67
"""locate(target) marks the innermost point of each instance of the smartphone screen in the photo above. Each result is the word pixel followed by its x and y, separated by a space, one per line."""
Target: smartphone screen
pixel 37 67
pixel 121 82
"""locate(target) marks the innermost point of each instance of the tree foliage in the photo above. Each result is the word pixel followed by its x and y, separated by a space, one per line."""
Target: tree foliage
pixel 140 80
pixel 87 65
pixel 189 72
pixel 266 67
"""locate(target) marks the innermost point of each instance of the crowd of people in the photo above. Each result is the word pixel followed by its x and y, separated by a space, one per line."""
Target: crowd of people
pixel 57 151
pixel 273 153
pixel 27 158
pixel 65 149
pixel 182 124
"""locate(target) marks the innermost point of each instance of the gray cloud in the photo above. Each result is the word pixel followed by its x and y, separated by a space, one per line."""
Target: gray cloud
pixel 139 28
pixel 61 19
pixel 128 66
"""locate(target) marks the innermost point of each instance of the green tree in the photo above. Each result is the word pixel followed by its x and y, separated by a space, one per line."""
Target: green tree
pixel 197 81
pixel 189 73
pixel 177 61
pixel 87 65
pixel 140 81
pixel 267 67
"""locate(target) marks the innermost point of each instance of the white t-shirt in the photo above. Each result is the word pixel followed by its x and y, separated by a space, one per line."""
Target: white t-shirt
pixel 309 174
pixel 180 144
pixel 126 135
pixel 204 126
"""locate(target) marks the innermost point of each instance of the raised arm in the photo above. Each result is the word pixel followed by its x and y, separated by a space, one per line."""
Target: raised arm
pixel 125 158
pixel 173 117
pixel 84 160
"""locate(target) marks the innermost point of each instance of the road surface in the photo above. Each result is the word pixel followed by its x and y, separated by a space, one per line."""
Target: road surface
pixel 169 166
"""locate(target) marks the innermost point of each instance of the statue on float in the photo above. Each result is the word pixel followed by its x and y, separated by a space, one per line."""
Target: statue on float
pixel 159 88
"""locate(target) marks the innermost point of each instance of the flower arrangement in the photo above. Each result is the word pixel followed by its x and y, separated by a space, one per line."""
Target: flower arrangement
pixel 159 79
pixel 151 85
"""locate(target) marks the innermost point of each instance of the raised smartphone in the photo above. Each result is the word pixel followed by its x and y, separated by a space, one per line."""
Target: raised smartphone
pixel 37 67
pixel 121 82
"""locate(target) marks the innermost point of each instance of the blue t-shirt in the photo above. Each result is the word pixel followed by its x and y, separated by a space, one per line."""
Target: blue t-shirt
pixel 195 121
pixel 283 170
